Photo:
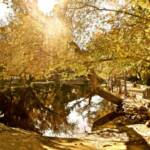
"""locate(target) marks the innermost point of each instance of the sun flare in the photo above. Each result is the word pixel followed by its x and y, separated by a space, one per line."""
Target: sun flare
pixel 46 6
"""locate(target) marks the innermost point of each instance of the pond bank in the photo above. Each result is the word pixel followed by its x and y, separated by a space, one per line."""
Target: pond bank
pixel 134 137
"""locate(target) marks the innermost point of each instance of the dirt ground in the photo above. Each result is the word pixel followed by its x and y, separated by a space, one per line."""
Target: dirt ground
pixel 133 137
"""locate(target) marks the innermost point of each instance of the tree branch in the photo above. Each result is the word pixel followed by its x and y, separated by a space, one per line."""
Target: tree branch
pixel 111 10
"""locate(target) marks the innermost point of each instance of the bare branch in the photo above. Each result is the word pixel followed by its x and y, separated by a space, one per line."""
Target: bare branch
pixel 111 10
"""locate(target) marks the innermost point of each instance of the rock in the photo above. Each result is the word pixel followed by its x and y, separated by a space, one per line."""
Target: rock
pixel 147 123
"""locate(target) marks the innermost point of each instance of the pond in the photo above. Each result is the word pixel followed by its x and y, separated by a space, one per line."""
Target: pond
pixel 82 116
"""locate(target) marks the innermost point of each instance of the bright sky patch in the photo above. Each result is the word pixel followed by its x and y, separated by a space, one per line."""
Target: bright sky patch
pixel 46 6
pixel 6 14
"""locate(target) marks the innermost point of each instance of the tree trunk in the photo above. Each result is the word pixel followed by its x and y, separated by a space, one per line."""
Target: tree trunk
pixel 125 85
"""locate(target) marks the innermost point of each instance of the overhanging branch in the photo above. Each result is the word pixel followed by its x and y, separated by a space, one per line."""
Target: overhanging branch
pixel 110 10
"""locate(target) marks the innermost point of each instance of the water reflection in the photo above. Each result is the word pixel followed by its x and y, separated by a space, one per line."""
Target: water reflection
pixel 81 116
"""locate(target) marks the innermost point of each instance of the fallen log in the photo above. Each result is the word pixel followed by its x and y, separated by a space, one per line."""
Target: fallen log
pixel 73 83
pixel 109 96
pixel 95 84
pixel 107 118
